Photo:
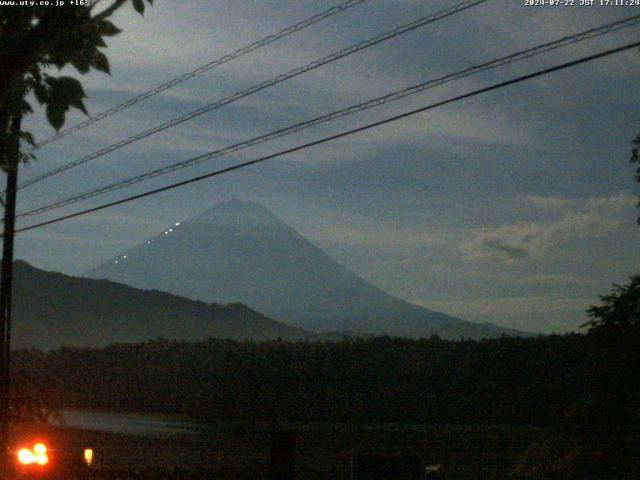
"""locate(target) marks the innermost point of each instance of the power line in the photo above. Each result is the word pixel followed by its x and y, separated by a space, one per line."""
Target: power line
pixel 330 138
pixel 261 86
pixel 591 33
pixel 204 68
pixel 518 56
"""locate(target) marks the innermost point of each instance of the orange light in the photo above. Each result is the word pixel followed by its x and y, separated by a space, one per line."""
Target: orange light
pixel 39 449
pixel 38 454
pixel 26 456
pixel 88 456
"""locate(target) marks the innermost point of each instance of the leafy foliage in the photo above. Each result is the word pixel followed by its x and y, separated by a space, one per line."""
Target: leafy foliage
pixel 36 39
pixel 530 381
pixel 615 333
pixel 59 94
pixel 619 312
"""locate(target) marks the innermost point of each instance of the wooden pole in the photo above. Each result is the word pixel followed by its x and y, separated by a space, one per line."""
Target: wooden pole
pixel 6 279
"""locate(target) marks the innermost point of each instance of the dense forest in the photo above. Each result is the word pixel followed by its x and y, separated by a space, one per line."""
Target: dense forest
pixel 574 380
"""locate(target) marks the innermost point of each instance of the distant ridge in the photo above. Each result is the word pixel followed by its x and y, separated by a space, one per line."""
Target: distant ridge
pixel 239 251
pixel 53 310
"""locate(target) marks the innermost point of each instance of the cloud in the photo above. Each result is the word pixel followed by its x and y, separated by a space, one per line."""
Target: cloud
pixel 380 237
pixel 585 218
pixel 551 203
pixel 604 204
pixel 498 246
pixel 537 304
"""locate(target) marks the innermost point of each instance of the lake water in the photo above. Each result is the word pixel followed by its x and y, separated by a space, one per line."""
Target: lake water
pixel 130 423
pixel 133 440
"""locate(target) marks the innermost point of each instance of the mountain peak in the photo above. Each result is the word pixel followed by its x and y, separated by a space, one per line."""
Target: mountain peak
pixel 239 251
pixel 238 212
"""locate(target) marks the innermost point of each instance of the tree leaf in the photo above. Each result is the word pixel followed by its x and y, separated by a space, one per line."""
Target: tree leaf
pixel 82 61
pixel 64 92
pixel 108 29
pixel 79 104
pixel 66 88
pixel 41 93
pixel 139 6
pixel 94 37
pixel 55 114
pixel 28 137
pixel 100 62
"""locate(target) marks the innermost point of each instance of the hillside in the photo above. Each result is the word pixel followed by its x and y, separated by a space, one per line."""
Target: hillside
pixel 52 309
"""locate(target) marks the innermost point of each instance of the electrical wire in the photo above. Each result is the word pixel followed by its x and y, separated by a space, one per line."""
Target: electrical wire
pixel 330 138
pixel 394 96
pixel 261 86
pixel 204 68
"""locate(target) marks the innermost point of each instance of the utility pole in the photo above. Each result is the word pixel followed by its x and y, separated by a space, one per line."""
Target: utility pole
pixel 12 158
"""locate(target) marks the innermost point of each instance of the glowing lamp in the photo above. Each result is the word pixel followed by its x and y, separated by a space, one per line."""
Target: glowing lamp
pixel 36 455
pixel 26 456
pixel 88 456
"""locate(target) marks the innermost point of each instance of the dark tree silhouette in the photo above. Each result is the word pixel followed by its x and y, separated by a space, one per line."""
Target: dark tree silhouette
pixel 619 312
pixel 34 40
pixel 615 335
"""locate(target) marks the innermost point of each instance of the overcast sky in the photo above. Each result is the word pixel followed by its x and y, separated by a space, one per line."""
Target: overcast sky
pixel 516 207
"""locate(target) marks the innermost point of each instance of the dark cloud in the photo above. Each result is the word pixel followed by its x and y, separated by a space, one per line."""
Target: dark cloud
pixel 499 246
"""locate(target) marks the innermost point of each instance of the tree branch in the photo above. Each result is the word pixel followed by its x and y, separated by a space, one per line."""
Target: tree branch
pixel 27 52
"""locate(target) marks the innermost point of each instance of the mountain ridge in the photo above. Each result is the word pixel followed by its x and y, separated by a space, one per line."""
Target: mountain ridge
pixel 53 309
pixel 239 251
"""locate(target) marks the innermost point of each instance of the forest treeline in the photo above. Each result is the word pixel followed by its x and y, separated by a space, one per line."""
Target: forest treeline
pixel 547 380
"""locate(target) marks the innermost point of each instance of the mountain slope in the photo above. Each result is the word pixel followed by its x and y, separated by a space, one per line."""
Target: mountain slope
pixel 52 309
pixel 240 252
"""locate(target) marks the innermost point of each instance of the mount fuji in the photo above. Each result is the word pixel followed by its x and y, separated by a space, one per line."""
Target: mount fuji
pixel 239 251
